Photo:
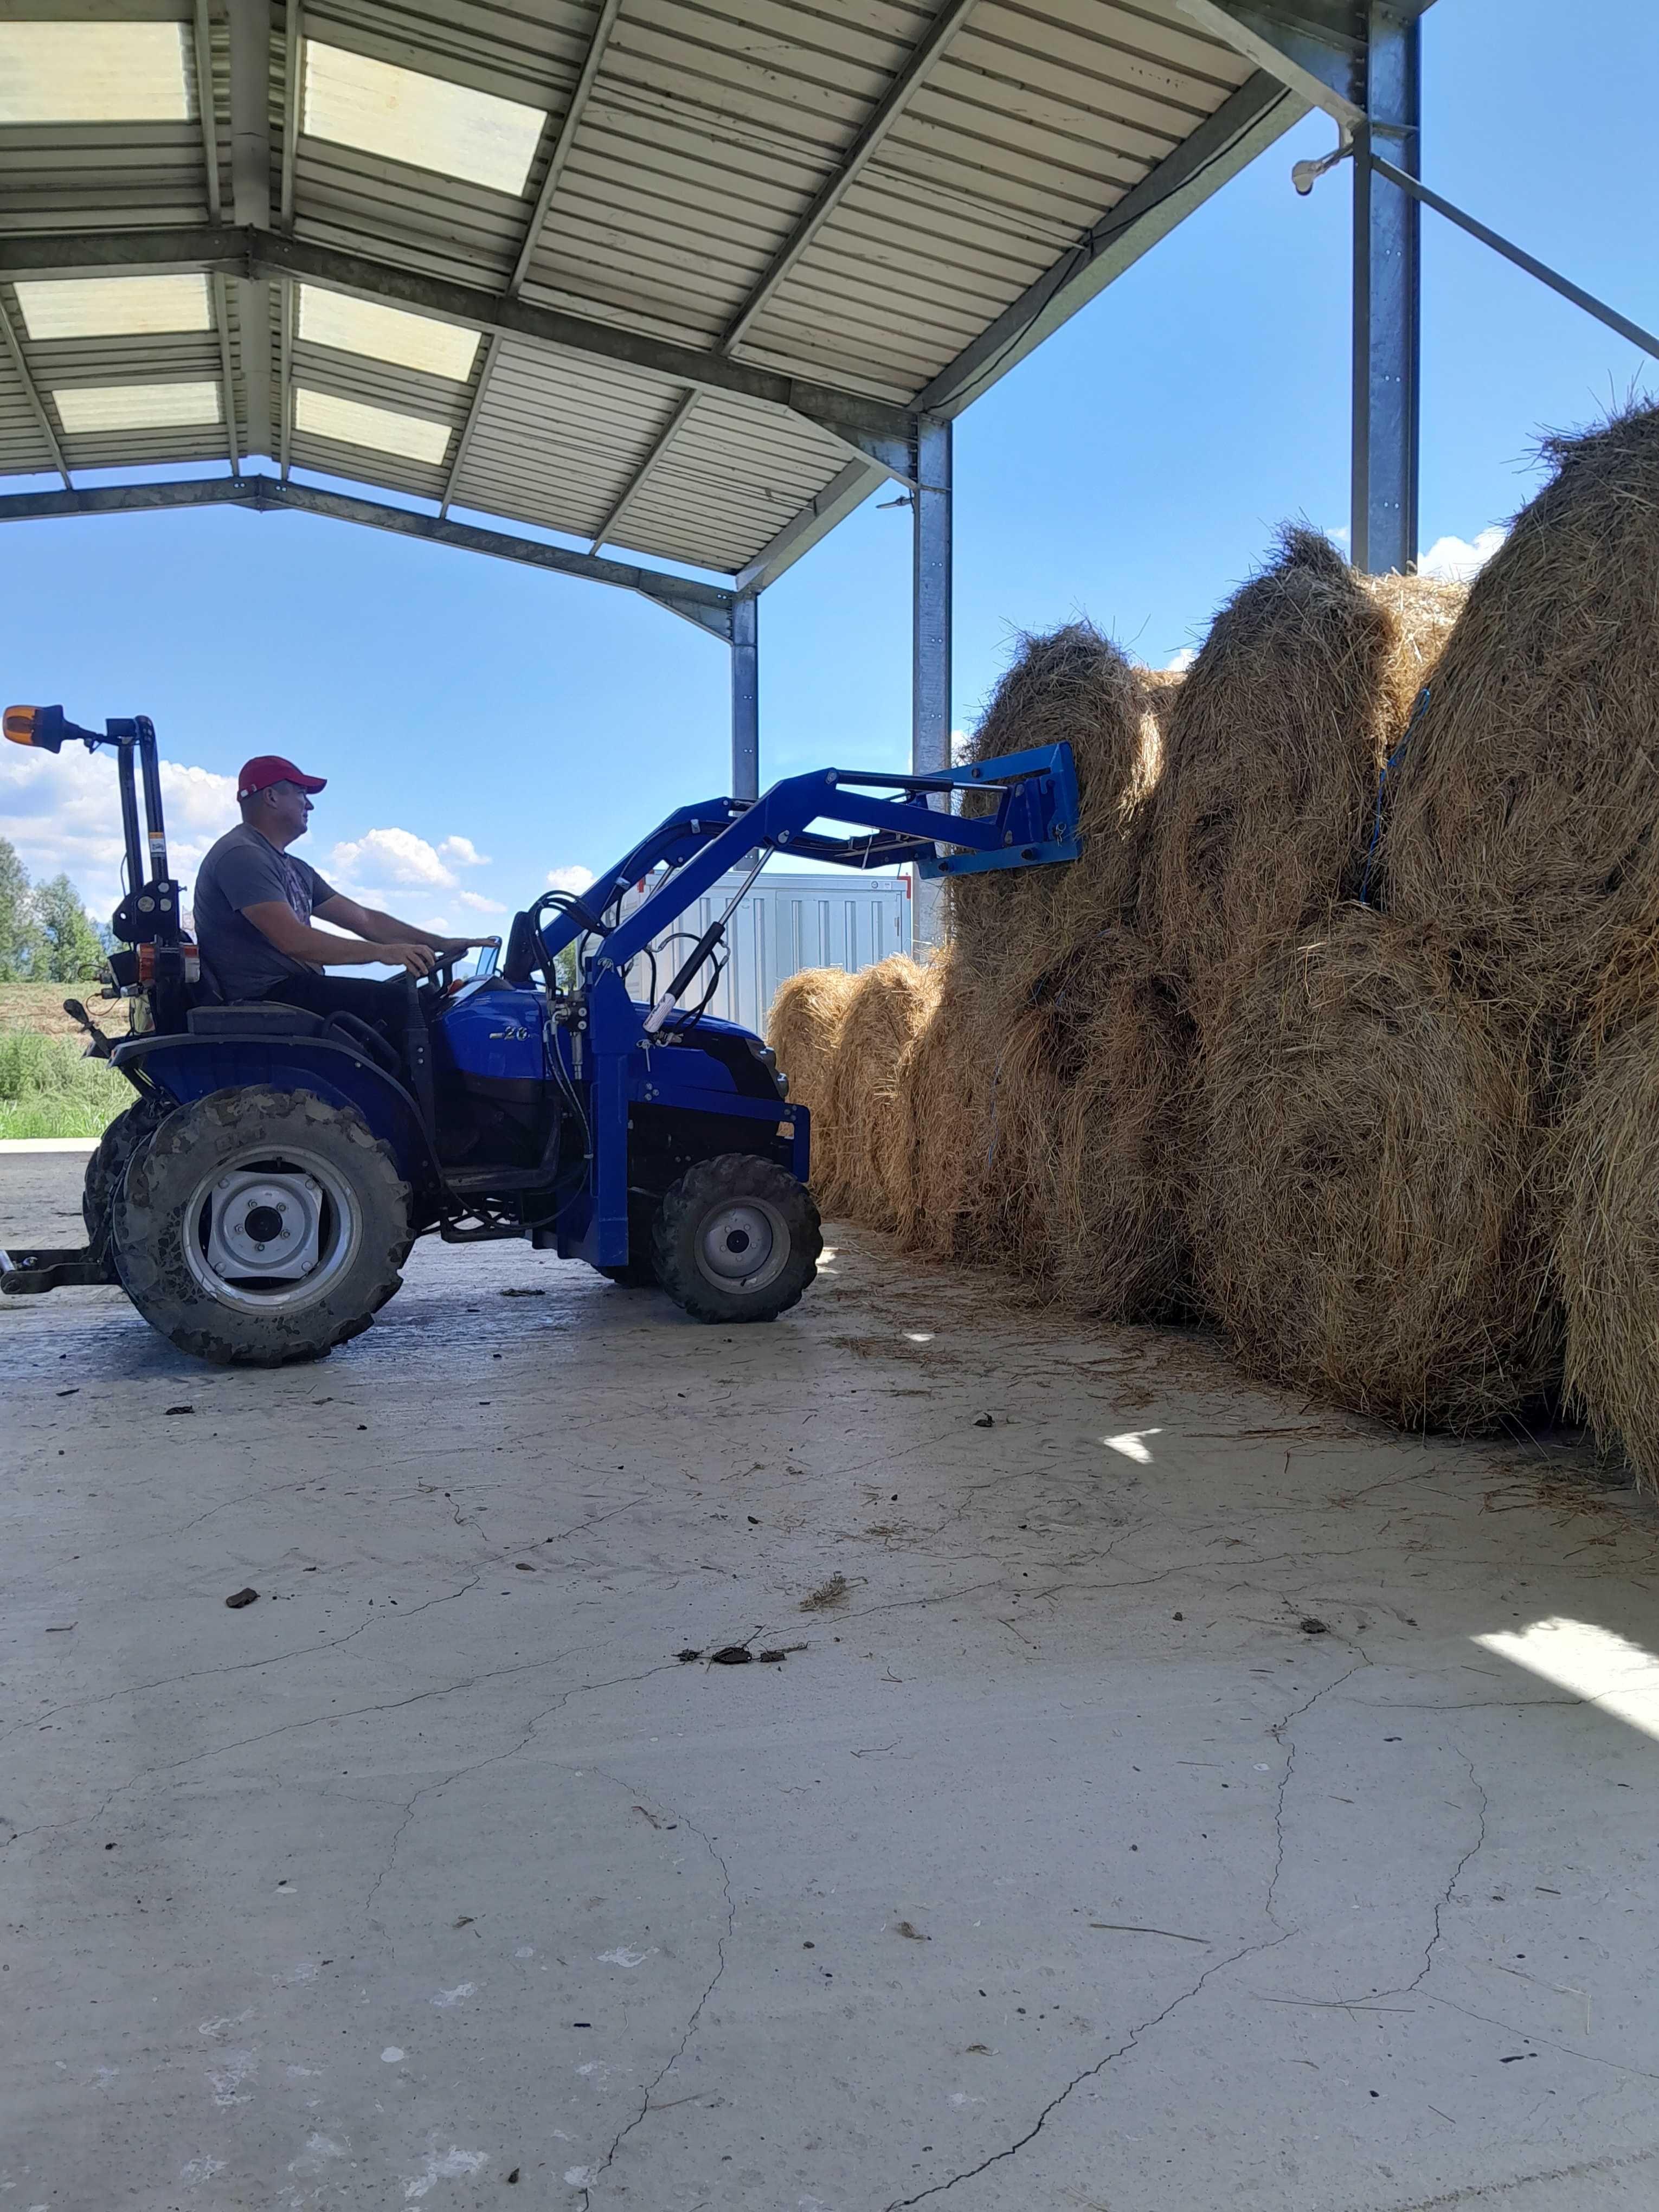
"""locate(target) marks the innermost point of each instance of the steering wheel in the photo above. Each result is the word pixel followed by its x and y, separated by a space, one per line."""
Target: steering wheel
pixel 442 980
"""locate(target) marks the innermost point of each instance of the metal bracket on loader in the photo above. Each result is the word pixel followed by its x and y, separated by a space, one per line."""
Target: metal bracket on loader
pixel 56 1268
pixel 1037 814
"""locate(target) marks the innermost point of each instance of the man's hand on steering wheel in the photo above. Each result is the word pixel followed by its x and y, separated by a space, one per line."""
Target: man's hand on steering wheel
pixel 446 954
pixel 417 960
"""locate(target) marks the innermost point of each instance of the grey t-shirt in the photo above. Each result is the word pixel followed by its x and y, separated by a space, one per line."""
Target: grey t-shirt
pixel 244 869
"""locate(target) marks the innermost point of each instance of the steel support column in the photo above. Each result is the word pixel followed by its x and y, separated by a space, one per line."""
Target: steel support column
pixel 745 695
pixel 930 642
pixel 1386 304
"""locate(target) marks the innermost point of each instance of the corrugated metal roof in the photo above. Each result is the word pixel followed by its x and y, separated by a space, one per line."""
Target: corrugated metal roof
pixel 850 193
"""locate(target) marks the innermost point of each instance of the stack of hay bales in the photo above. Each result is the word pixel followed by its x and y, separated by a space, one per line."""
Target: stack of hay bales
pixel 1267 806
pixel 1362 1147
pixel 804 1029
pixel 1524 816
pixel 1366 1221
pixel 983 1092
pixel 1605 1184
pixel 1119 1237
pixel 1404 1153
pixel 942 1127
pixel 886 1009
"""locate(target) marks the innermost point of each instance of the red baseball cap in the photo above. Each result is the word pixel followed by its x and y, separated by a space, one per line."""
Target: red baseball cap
pixel 271 767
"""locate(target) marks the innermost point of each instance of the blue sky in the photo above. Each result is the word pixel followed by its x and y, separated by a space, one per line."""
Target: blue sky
pixel 1133 469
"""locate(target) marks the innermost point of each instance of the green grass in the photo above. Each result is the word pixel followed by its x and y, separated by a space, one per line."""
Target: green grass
pixel 48 1089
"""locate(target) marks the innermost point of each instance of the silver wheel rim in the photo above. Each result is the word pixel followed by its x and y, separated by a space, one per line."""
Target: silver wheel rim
pixel 317 1212
pixel 743 1245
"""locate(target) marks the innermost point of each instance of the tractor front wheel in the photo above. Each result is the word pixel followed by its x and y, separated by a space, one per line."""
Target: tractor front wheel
pixel 736 1239
pixel 258 1226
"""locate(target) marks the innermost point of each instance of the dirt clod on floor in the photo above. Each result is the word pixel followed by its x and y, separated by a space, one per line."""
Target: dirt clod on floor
pixel 833 1592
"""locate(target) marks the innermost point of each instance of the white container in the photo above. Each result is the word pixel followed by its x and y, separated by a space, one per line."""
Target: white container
pixel 840 918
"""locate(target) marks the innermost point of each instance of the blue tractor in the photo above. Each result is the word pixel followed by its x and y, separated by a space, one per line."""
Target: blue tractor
pixel 258 1197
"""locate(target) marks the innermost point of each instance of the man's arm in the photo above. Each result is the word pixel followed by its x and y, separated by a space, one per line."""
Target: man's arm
pixel 368 921
pixel 274 920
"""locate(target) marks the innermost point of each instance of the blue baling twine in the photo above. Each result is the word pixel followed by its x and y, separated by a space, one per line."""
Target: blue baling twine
pixel 1397 755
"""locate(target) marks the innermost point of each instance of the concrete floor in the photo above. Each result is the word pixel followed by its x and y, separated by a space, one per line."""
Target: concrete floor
pixel 1065 1867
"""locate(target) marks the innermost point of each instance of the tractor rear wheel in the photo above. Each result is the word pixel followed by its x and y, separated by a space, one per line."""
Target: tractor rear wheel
pixel 737 1238
pixel 105 1170
pixel 258 1226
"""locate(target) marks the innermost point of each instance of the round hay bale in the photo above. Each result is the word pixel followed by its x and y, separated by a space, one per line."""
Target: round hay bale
pixel 1605 1180
pixel 942 1118
pixel 804 1029
pixel 1267 801
pixel 1072 686
pixel 1364 1217
pixel 1118 1245
pixel 869 1174
pixel 1523 816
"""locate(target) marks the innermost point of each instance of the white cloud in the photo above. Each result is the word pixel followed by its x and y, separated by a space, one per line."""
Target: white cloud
pixel 1179 663
pixel 1454 560
pixel 462 853
pixel 477 904
pixel 577 879
pixel 398 854
pixel 63 812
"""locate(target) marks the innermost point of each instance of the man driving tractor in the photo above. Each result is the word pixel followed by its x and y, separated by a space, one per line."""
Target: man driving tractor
pixel 254 905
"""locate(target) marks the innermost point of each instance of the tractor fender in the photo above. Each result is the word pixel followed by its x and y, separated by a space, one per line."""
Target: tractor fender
pixel 183 1068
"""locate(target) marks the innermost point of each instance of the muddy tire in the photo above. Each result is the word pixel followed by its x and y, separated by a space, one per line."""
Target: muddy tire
pixel 736 1239
pixel 258 1226
pixel 107 1168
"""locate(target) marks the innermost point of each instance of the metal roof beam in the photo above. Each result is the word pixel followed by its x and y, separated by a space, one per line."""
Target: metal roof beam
pixel 707 605
pixel 564 136
pixel 130 498
pixel 630 490
pixel 1323 73
pixel 262 254
pixel 816 519
pixel 829 195
pixel 1244 126
pixel 37 405
pixel 891 454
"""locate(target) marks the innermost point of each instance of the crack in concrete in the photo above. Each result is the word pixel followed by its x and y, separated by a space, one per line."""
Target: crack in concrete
pixel 1089 2074
pixel 475 1766
pixel 1532 2035
pixel 354 1712
pixel 1277 1732
pixel 1445 1897
pixel 236 1666
pixel 1374 1998
pixel 646 2105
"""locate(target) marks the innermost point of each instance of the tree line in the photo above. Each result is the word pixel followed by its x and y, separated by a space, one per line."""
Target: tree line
pixel 46 935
